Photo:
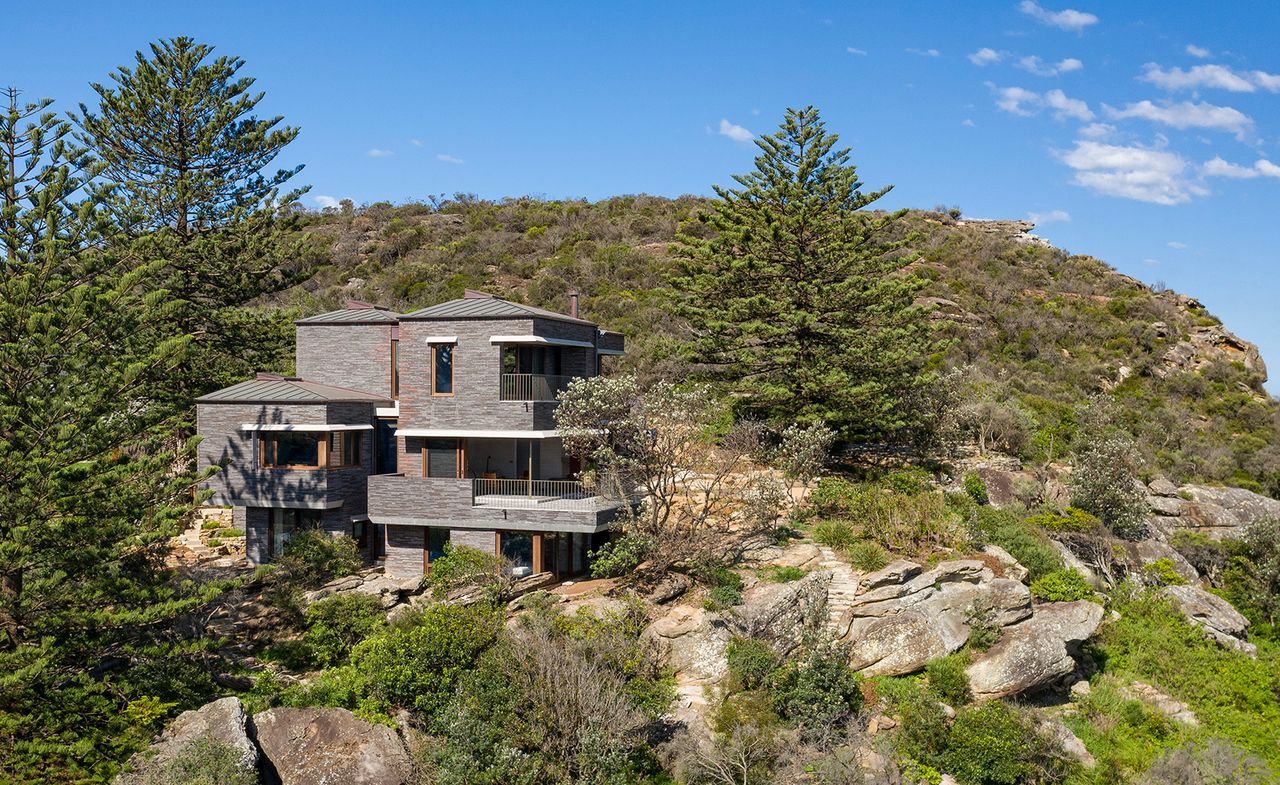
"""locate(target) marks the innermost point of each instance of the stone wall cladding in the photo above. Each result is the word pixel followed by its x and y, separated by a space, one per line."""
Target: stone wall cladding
pixel 255 542
pixel 480 539
pixel 416 501
pixel 356 356
pixel 404 550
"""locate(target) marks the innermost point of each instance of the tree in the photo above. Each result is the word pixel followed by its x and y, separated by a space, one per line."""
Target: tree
pixel 90 495
pixel 1104 480
pixel 178 135
pixel 798 301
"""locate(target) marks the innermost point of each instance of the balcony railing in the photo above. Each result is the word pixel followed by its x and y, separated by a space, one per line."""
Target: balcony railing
pixel 532 386
pixel 537 495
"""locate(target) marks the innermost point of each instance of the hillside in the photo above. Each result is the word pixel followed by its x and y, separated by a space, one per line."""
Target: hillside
pixel 1036 330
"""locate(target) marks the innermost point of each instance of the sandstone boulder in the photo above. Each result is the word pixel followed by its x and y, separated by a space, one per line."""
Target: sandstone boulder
pixel 1058 734
pixel 1146 552
pixel 1007 487
pixel 1245 506
pixel 1036 652
pixel 330 747
pixel 804 555
pixel 1011 566
pixel 222 721
pixel 1219 620
pixel 671 586
pixel 783 613
pixel 1162 487
pixel 689 640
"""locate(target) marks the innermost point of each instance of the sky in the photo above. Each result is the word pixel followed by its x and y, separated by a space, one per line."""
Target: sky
pixel 1146 134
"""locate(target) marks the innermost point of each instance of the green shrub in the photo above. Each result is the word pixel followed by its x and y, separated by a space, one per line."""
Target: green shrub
pixel 785 574
pixel 1063 586
pixel 1163 572
pixel 1073 519
pixel 831 495
pixel 1024 543
pixel 1206 554
pixel 908 481
pixel 820 691
pixel 336 624
pixel 984 632
pixel 948 680
pixel 214 542
pixel 922 732
pixel 462 566
pixel 209 525
pixel 976 488
pixel 621 556
pixel 835 533
pixel 991 744
pixel 867 556
pixel 749 708
pixel 751 662
pixel 313 557
pixel 722 598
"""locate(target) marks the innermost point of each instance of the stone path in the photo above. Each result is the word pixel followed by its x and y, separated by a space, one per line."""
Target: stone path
pixel 844 586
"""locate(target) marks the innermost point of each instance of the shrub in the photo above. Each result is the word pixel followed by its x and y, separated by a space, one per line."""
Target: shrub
pixel 831 495
pixel 751 662
pixel 1206 554
pixel 336 624
pixel 948 680
pixel 214 542
pixel 1073 519
pixel 750 708
pixel 785 574
pixel 1028 546
pixel 726 586
pixel 991 744
pixel 721 598
pixel 818 693
pixel 867 556
pixel 1162 572
pixel 1062 586
pixel 908 481
pixel 1211 762
pixel 310 558
pixel 976 488
pixel 621 556
pixel 464 567
pixel 205 761
pixel 923 725
pixel 1105 483
pixel 835 533
pixel 984 632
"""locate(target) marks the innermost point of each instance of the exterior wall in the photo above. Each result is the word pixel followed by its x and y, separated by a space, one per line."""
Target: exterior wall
pixel 404 550
pixel 255 535
pixel 238 518
pixel 355 356
pixel 480 539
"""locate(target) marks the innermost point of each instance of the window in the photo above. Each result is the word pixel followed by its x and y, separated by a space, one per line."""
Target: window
pixel 281 524
pixel 290 450
pixel 433 542
pixel 344 449
pixel 360 533
pixel 395 368
pixel 385 455
pixel 442 458
pixel 442 369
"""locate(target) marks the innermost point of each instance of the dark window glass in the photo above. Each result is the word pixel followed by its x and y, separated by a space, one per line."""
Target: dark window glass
pixel 436 538
pixel 290 449
pixel 442 458
pixel 281 524
pixel 387 457
pixel 518 549
pixel 443 365
pixel 344 448
pixel 395 369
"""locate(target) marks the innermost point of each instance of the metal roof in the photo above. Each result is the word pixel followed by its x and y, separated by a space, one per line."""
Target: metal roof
pixel 353 316
pixel 288 391
pixel 488 308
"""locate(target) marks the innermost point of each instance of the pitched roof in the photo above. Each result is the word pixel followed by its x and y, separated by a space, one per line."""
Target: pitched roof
pixel 370 315
pixel 488 308
pixel 287 390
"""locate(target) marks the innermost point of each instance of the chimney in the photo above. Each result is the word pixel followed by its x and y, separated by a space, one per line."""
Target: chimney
pixel 573 304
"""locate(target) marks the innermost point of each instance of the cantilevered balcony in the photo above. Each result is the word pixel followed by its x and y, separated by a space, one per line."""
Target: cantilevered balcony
pixel 532 386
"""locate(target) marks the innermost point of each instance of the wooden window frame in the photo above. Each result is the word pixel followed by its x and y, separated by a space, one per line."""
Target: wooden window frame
pixel 267 452
pixel 343 437
pixel 453 361
pixel 395 369
pixel 460 455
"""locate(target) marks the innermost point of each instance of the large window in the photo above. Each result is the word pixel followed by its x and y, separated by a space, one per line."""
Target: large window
pixel 442 458
pixel 442 369
pixel 281 524
pixel 517 548
pixel 395 368
pixel 344 449
pixel 290 450
pixel 386 455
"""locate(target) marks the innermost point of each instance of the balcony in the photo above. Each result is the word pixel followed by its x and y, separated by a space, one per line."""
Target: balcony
pixel 532 386
pixel 397 498
pixel 567 495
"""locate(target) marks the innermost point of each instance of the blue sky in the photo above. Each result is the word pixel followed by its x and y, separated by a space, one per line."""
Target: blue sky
pixel 1144 133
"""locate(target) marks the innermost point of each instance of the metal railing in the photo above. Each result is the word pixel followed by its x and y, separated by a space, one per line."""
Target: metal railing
pixel 532 386
pixel 536 495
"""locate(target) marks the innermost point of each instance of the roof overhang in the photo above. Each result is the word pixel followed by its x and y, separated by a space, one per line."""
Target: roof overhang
pixel 541 339
pixel 474 433
pixel 300 426
pixel 614 352
pixel 440 339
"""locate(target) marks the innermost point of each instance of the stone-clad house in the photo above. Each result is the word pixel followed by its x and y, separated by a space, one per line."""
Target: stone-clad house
pixel 409 431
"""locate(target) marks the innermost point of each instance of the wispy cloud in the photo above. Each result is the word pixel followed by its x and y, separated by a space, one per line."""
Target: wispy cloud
pixel 1053 216
pixel 735 132
pixel 1209 75
pixel 853 50
pixel 1217 167
pixel 1187 115
pixel 1033 64
pixel 1198 51
pixel 968 123
pixel 1175 245
pixel 923 52
pixel 325 201
pixel 1067 108
pixel 1067 19
pixel 1025 103
pixel 1098 131
pixel 1017 100
pixel 415 142
pixel 379 153
pixel 985 56
pixel 449 159
pixel 1139 173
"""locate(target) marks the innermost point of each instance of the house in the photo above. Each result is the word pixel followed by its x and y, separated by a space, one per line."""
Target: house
pixel 410 431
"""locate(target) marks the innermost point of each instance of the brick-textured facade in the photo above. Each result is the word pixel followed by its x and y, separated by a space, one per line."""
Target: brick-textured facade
pixel 357 356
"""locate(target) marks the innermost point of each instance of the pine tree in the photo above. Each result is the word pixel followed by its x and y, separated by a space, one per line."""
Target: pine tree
pixel 89 495
pixel 177 133
pixel 797 298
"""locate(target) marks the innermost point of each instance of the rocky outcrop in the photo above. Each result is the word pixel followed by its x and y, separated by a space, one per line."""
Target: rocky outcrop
pixel 330 747
pixel 1219 620
pixel 1062 737
pixel 1218 512
pixel 1145 553
pixel 1204 346
pixel 1162 702
pixel 1035 653
pixel 223 721
pixel 1009 565
pixel 689 640
pixel 783 613
pixel 904 616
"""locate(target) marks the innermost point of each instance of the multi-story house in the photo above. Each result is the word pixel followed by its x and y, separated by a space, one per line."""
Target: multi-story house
pixel 409 431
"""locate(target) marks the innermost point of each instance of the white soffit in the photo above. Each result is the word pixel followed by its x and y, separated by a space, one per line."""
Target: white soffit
pixel 474 433
pixel 441 339
pixel 541 339
pixel 298 426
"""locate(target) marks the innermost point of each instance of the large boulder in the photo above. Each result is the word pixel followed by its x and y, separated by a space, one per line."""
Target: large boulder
pixel 1246 506
pixel 330 747
pixel 223 721
pixel 1219 620
pixel 1144 553
pixel 689 640
pixel 1036 652
pixel 783 613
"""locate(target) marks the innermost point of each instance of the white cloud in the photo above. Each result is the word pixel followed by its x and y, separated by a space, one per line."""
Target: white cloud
pixel 1266 168
pixel 1053 216
pixel 1217 167
pixel 1198 51
pixel 1068 19
pixel 1033 64
pixel 986 56
pixel 415 142
pixel 449 159
pixel 377 153
pixel 1269 82
pixel 325 201
pixel 1187 115
pixel 853 50
pixel 924 52
pixel 1098 130
pixel 735 132
pixel 1016 100
pixel 1200 76
pixel 1067 108
pixel 1139 173
pixel 968 123
pixel 1175 245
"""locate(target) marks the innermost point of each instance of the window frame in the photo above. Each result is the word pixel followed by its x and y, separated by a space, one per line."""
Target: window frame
pixel 395 368
pixel 268 451
pixel 453 358
pixel 460 456
pixel 345 441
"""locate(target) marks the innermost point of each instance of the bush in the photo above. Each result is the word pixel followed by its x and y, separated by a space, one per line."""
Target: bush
pixel 819 693
pixel 1105 484
pixel 908 481
pixel 948 680
pixel 1162 572
pixel 784 574
pixel 1063 586
pixel 976 488
pixel 621 556
pixel 867 556
pixel 722 598
pixel 1028 546
pixel 1211 762
pixel 336 624
pixel 984 632
pixel 464 567
pixel 835 533
pixel 205 761
pixel 751 662
pixel 991 744
pixel 311 558
pixel 1206 554
pixel 1073 519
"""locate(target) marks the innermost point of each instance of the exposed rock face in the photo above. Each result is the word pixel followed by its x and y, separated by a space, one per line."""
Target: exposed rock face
pixel 689 640
pixel 1167 705
pixel 904 616
pixel 330 747
pixel 1036 652
pixel 783 612
pixel 1061 736
pixel 1218 512
pixel 1004 487
pixel 1214 615
pixel 1206 345
pixel 1147 552
pixel 221 721
pixel 671 586
pixel 1012 568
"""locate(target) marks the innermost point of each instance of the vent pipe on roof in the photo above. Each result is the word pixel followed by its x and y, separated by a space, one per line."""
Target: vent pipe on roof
pixel 573 304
